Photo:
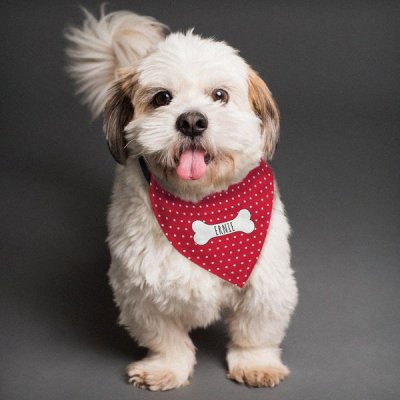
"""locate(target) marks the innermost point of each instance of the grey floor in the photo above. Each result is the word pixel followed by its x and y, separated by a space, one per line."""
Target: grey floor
pixel 334 69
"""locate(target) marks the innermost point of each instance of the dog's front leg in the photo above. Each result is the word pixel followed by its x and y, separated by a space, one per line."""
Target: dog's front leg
pixel 171 357
pixel 256 332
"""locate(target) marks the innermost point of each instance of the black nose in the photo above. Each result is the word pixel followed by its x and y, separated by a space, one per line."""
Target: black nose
pixel 192 123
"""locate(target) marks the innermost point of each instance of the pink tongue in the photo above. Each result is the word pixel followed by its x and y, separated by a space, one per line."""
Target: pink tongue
pixel 191 165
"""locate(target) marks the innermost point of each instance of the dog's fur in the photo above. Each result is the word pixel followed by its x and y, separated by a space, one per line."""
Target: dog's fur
pixel 119 62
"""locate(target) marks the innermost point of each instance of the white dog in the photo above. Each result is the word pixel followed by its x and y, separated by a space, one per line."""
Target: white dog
pixel 192 114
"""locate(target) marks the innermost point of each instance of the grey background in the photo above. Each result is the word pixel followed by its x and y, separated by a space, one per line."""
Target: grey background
pixel 334 70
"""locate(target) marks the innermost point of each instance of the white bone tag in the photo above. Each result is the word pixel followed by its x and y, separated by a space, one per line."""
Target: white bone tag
pixel 204 232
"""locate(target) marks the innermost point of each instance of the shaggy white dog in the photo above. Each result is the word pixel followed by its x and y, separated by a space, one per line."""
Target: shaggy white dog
pixel 145 80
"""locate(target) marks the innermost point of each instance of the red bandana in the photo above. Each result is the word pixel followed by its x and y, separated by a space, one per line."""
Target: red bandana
pixel 223 232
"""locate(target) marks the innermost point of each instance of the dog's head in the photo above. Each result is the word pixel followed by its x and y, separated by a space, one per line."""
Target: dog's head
pixel 197 113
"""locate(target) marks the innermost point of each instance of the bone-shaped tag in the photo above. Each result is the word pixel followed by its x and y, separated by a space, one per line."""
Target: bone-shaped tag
pixel 204 232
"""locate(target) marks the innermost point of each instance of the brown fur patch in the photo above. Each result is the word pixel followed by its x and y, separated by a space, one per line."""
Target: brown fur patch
pixel 119 112
pixel 266 109
pixel 259 376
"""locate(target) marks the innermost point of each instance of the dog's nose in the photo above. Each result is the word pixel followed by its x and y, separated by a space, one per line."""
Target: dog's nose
pixel 192 123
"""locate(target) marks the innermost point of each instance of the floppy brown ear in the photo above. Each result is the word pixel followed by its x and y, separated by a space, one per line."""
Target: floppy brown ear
pixel 118 112
pixel 266 109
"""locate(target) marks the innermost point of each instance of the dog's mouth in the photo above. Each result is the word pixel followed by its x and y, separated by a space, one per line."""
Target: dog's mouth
pixel 192 162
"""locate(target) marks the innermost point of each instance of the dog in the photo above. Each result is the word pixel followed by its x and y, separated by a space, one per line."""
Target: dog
pixel 187 118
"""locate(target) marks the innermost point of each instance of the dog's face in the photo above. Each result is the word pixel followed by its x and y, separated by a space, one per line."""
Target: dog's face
pixel 200 116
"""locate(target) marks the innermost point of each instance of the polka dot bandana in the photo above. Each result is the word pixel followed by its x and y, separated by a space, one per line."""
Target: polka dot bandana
pixel 223 232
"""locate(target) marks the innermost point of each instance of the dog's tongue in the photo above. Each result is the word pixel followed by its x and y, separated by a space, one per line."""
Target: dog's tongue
pixel 191 164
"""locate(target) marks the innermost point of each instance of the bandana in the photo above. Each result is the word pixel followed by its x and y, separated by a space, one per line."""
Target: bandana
pixel 223 232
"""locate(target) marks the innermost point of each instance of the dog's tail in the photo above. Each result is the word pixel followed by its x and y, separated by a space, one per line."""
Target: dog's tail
pixel 98 48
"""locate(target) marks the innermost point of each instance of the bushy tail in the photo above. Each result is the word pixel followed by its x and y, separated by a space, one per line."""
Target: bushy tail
pixel 98 48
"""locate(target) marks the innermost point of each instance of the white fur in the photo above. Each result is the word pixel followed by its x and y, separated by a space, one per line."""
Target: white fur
pixel 162 295
pixel 118 39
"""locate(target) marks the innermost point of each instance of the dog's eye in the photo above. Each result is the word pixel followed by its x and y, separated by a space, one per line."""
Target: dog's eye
pixel 220 95
pixel 162 98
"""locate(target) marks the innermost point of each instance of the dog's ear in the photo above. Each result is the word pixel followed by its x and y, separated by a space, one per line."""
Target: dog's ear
pixel 118 112
pixel 266 109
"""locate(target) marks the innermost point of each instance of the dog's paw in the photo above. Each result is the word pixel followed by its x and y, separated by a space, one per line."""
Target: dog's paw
pixel 153 377
pixel 259 376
